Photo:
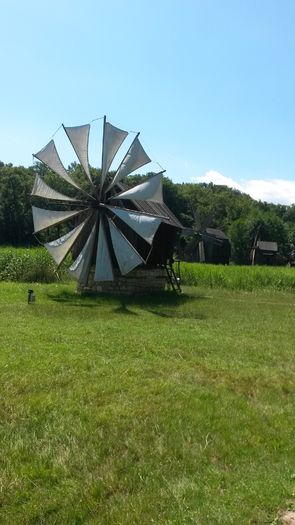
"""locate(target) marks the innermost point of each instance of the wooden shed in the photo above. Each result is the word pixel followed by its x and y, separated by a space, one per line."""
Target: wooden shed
pixel 214 247
pixel 265 252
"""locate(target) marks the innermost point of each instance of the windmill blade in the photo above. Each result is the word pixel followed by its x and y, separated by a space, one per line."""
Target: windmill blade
pixel 150 190
pixel 80 267
pixel 49 156
pixel 45 218
pixel 103 265
pixel 128 258
pixel 113 138
pixel 145 225
pixel 41 189
pixel 79 138
pixel 59 248
pixel 134 158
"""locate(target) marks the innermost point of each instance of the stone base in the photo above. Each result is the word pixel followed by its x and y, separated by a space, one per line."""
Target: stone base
pixel 139 281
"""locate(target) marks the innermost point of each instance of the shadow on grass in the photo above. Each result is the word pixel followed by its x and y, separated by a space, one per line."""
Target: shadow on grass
pixel 165 304
pixel 176 314
pixel 123 309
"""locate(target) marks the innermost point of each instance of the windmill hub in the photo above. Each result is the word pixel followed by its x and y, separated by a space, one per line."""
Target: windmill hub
pixel 95 202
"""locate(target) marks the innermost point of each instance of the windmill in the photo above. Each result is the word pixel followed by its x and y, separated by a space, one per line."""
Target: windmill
pixel 110 233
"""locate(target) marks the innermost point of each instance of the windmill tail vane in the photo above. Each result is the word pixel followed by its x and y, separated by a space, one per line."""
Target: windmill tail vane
pixel 105 226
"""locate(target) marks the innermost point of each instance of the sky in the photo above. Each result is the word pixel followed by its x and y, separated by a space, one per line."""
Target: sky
pixel 209 84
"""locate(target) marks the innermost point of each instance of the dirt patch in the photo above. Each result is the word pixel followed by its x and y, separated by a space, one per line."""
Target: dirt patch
pixel 288 518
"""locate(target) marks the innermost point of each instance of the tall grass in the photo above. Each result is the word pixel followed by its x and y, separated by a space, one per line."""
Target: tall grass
pixel 29 265
pixel 248 278
pixel 36 265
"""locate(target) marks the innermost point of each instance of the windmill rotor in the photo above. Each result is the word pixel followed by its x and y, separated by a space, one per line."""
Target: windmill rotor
pixel 105 231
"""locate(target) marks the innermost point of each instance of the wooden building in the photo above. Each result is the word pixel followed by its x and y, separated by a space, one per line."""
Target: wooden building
pixel 214 247
pixel 266 252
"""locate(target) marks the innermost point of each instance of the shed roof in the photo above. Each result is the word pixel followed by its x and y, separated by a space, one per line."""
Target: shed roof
pixel 215 233
pixel 267 246
pixel 154 208
pixel 159 209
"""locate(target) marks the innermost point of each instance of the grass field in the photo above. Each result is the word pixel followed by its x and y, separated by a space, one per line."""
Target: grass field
pixel 160 410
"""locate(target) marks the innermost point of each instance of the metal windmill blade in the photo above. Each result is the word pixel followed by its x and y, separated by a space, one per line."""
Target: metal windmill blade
pixel 102 223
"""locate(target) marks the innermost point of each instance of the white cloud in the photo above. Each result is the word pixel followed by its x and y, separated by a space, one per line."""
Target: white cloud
pixel 217 178
pixel 279 191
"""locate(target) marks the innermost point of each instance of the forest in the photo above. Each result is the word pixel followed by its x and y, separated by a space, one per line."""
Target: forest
pixel 196 205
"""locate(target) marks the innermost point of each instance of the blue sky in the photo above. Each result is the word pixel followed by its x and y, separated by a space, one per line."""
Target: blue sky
pixel 210 84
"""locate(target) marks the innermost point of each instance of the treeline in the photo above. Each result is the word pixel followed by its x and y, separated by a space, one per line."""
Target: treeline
pixel 197 206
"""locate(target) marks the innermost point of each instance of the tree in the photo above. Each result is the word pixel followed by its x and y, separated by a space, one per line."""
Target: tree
pixel 265 226
pixel 15 207
pixel 241 238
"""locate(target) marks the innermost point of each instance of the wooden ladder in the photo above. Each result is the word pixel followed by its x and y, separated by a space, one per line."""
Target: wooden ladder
pixel 172 278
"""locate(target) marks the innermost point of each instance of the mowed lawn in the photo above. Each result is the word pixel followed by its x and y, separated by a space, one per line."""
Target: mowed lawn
pixel 159 410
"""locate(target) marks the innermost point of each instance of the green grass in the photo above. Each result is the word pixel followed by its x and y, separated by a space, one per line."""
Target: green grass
pixel 160 410
pixel 247 278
